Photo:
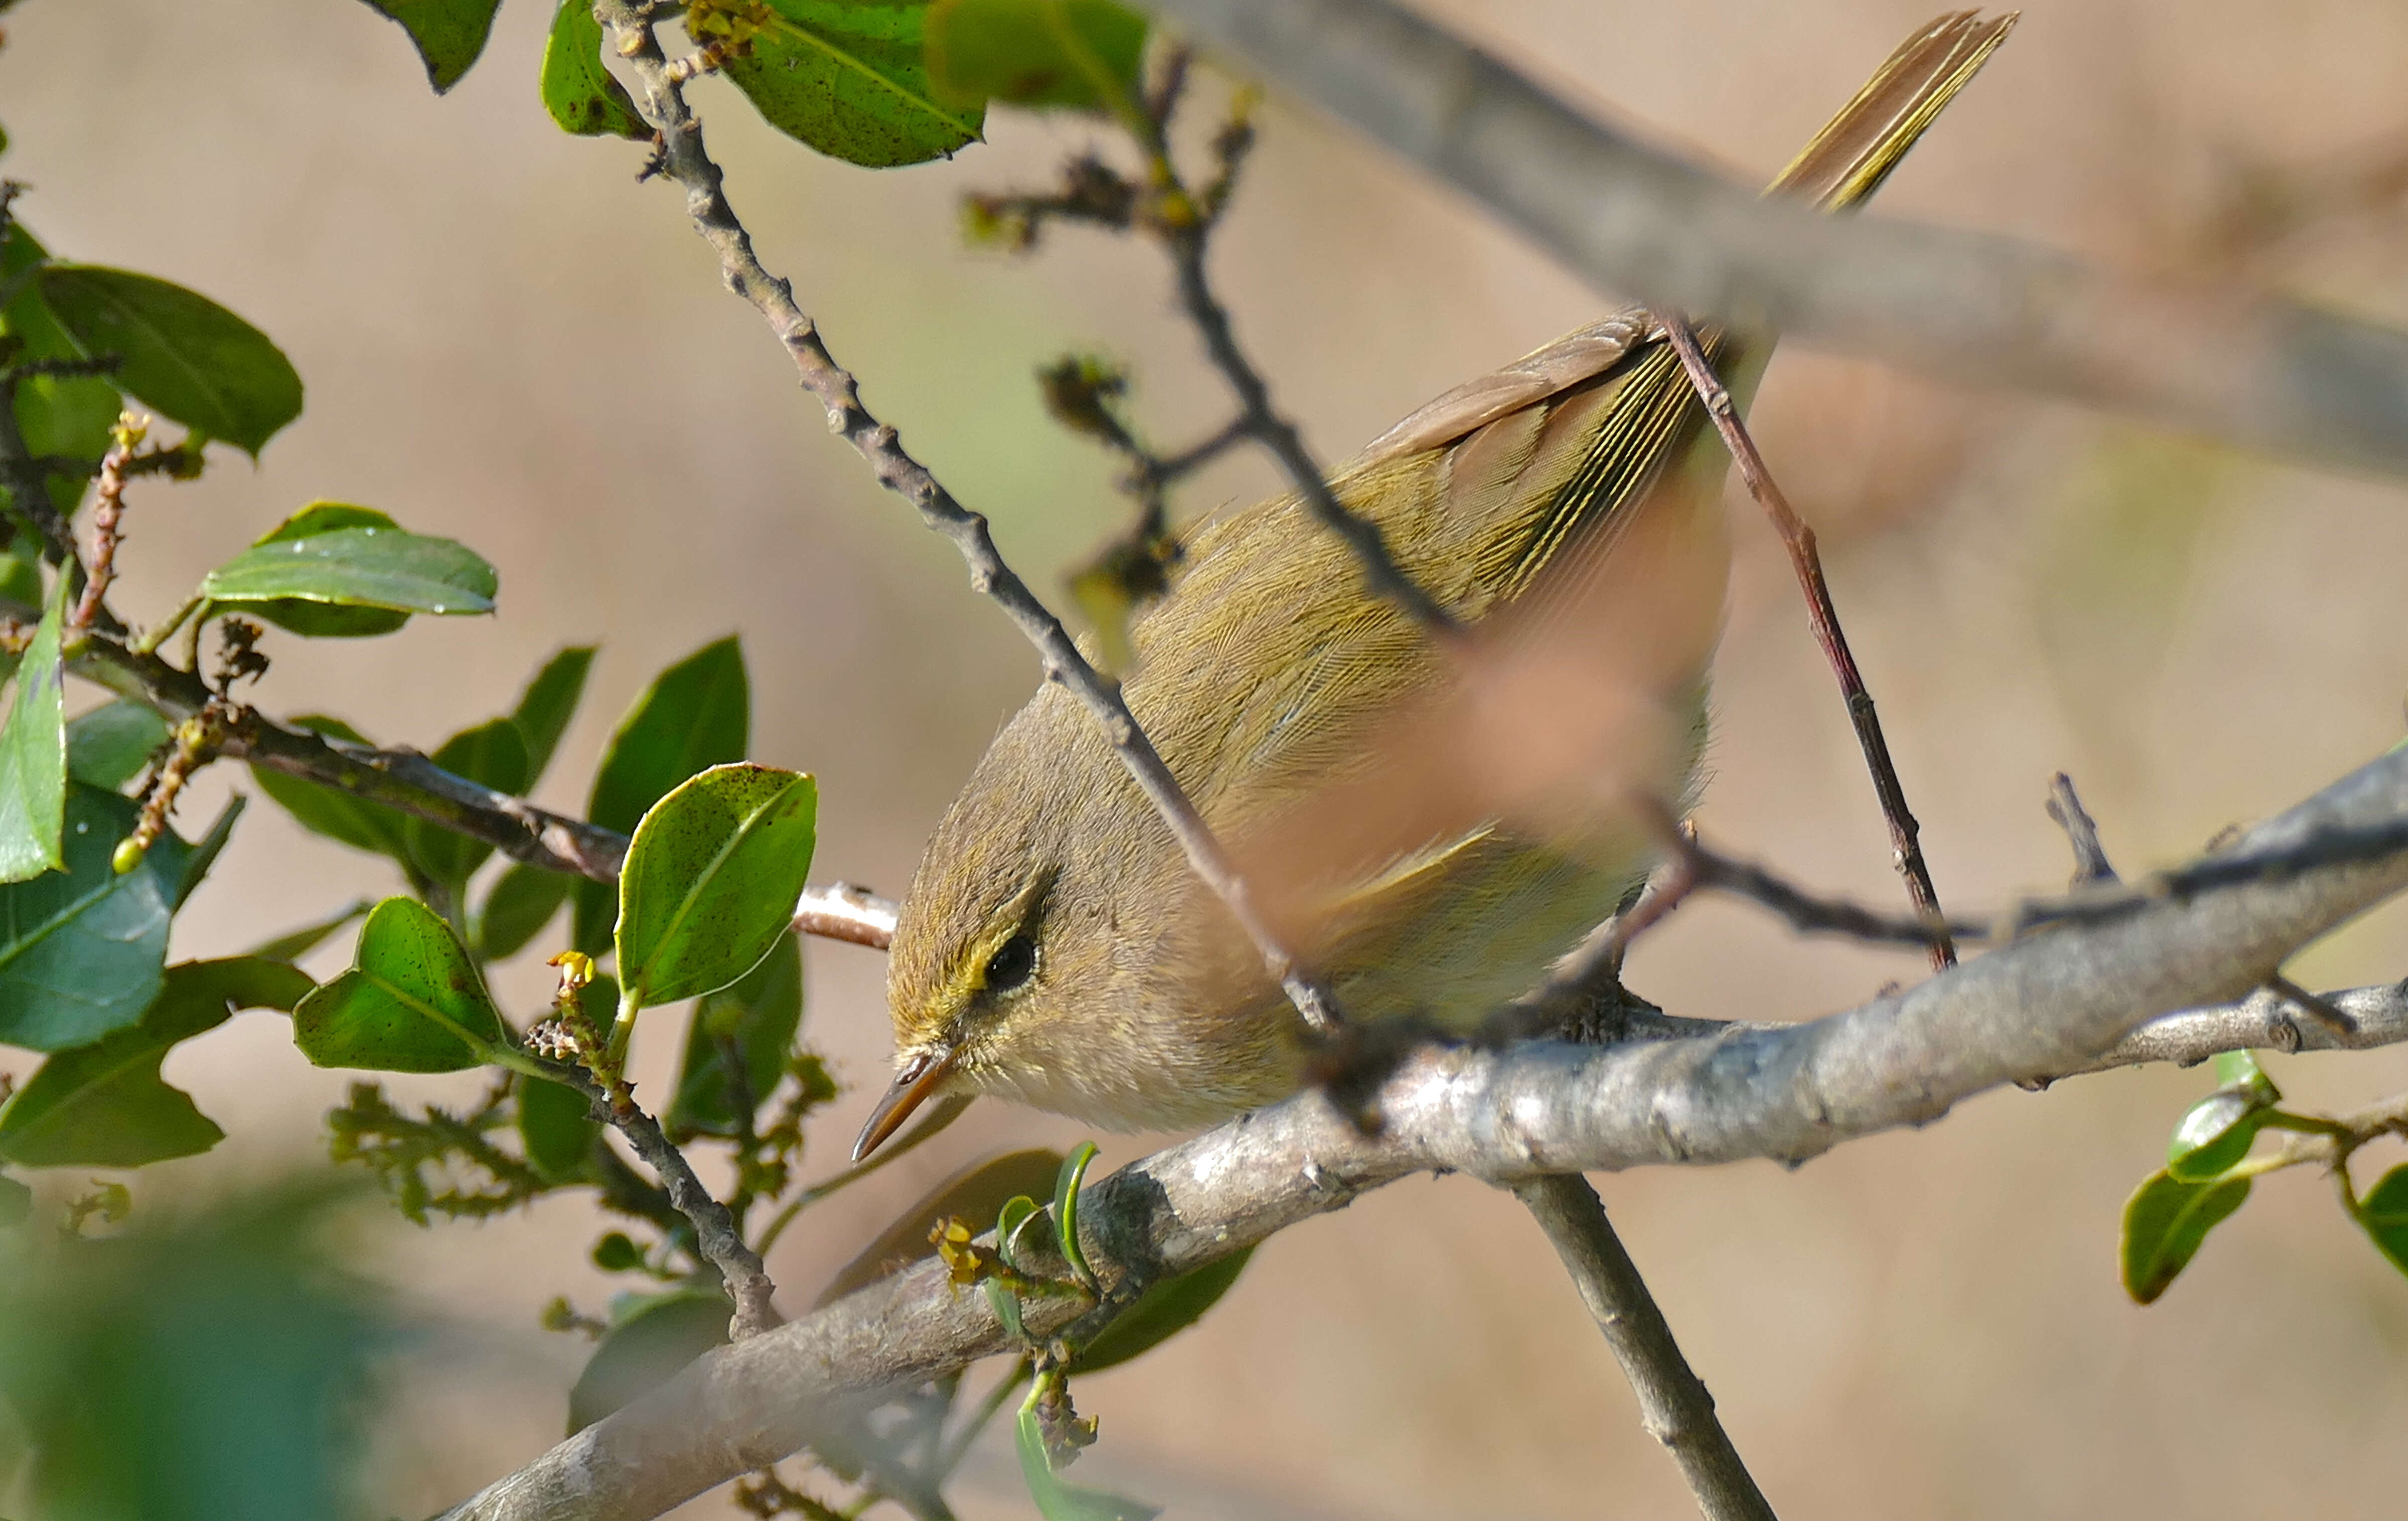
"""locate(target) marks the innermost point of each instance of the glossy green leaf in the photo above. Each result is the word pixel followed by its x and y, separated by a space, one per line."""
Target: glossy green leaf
pixel 66 417
pixel 491 755
pixel 330 811
pixel 646 1348
pixel 106 1105
pixel 848 77
pixel 2384 1213
pixel 1067 1183
pixel 1009 1222
pixel 109 746
pixel 300 942
pixel 334 555
pixel 578 91
pixel 83 951
pixel 447 33
pixel 521 902
pixel 557 1126
pixel 1005 1304
pixel 710 881
pixel 696 715
pixel 1162 1311
pixel 2217 1131
pixel 2164 1222
pixel 411 1002
pixel 205 851
pixel 33 753
pixel 1057 1500
pixel 546 705
pixel 744 1028
pixel 976 1194
pixel 184 357
pixel 1083 54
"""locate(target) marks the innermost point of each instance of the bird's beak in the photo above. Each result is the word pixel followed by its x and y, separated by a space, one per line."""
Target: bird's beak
pixel 919 1078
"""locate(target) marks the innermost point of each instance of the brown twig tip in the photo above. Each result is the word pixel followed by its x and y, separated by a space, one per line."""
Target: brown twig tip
pixel 2091 862
pixel 107 509
pixel 1806 560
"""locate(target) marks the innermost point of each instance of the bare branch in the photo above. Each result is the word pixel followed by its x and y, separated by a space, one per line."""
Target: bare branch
pixel 2257 369
pixel 2090 864
pixel 841 911
pixel 2044 1005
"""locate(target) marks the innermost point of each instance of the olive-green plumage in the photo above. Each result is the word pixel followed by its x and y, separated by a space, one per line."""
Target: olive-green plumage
pixel 1054 947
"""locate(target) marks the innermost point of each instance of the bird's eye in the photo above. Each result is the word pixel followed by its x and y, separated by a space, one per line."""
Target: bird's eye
pixel 1012 964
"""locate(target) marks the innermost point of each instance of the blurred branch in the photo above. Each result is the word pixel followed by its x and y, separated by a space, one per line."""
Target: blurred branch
pixel 1673 1404
pixel 1968 307
pixel 2074 999
pixel 682 159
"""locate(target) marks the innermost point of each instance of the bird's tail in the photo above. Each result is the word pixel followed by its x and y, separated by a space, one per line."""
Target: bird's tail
pixel 1849 157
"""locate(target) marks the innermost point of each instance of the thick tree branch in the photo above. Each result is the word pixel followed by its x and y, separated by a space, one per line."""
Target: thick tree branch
pixel 2046 1005
pixel 2257 369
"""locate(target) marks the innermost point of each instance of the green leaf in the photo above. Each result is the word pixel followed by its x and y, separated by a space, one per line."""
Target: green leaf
pixel 975 1194
pixel 2384 1213
pixel 2216 1132
pixel 1066 1183
pixel 1057 1501
pixel 2164 1222
pixel 521 902
pixel 106 1105
pixel 331 556
pixel 33 753
pixel 185 356
pixel 109 746
pixel 646 1348
pixel 81 950
pixel 205 851
pixel 1162 1311
pixel 696 715
pixel 557 1126
pixel 491 755
pixel 1083 54
pixel 1008 1220
pixel 447 33
pixel 755 1015
pixel 300 942
pixel 68 417
pixel 546 705
pixel 578 91
pixel 412 1002
pixel 848 78
pixel 330 811
pixel 710 881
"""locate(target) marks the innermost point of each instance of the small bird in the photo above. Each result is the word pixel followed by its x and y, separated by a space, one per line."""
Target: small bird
pixel 1054 947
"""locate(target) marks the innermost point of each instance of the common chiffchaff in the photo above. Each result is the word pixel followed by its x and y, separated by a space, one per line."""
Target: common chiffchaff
pixel 1055 949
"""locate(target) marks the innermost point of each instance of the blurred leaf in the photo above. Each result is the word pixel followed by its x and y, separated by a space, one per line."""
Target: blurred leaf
pixel 330 811
pixel 1058 1500
pixel 109 746
pixel 521 902
pixel 210 1369
pixel 2215 1133
pixel 2384 1213
pixel 2164 1222
pixel 20 574
pixel 1084 54
pixel 300 942
pixel 548 702
pixel 331 554
pixel 412 1002
pixel 976 1194
pixel 2240 1069
pixel 617 1252
pixel 646 1348
pixel 205 851
pixel 447 33
pixel 33 753
pixel 710 881
pixel 1161 1311
pixel 81 952
pixel 185 356
pixel 105 1104
pixel 758 1012
pixel 491 755
pixel 557 1126
pixel 578 91
pixel 64 416
pixel 696 715
pixel 847 78
pixel 1002 1301
pixel 1066 1183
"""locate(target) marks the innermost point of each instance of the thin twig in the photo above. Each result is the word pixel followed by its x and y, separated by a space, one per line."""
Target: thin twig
pixel 841 911
pixel 683 161
pixel 1808 563
pixel 109 506
pixel 1673 1404
pixel 2090 864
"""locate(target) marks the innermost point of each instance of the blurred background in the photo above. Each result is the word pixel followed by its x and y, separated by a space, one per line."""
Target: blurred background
pixel 507 340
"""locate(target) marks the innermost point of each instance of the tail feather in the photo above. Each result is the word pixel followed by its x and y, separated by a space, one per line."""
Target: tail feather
pixel 1849 157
